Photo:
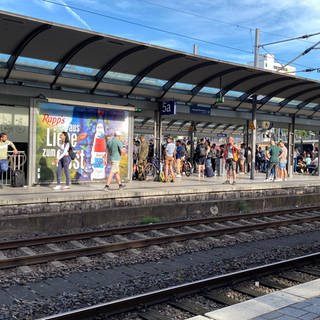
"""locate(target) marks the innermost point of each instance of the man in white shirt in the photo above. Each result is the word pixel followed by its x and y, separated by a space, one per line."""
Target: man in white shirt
pixel 169 158
pixel 4 143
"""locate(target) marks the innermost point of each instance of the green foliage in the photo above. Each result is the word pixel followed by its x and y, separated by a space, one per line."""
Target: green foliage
pixel 150 220
pixel 244 207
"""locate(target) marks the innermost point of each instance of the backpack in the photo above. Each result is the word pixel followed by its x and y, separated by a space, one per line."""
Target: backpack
pixel 17 178
pixel 72 154
pixel 202 150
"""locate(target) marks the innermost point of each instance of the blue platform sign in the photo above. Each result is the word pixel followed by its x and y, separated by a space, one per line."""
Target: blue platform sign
pixel 200 110
pixel 168 107
pixel 222 135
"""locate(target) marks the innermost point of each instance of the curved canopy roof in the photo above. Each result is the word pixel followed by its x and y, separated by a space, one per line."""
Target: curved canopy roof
pixel 77 58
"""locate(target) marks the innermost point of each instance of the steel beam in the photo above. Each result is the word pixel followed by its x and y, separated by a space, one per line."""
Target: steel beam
pixel 110 64
pixel 21 46
pixel 69 55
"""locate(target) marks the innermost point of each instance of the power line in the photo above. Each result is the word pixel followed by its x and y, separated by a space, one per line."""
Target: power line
pixel 302 54
pixel 222 22
pixel 196 15
pixel 306 36
pixel 146 26
pixel 279 60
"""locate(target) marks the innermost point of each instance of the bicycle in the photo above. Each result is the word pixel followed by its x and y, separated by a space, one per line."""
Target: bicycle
pixel 152 169
pixel 186 167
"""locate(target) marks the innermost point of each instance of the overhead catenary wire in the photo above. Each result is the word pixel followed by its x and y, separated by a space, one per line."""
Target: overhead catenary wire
pixel 251 29
pixel 308 69
pixel 146 26
pixel 197 15
pixel 306 36
pixel 302 54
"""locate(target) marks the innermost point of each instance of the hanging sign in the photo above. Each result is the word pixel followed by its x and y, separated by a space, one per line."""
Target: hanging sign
pixel 200 110
pixel 251 125
pixel 168 107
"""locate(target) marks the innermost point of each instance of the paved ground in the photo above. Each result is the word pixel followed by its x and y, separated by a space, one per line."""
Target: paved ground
pixel 192 184
pixel 301 302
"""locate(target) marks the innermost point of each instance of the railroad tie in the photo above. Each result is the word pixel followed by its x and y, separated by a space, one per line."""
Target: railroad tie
pixel 55 248
pixel 3 256
pixel 120 238
pixel 77 244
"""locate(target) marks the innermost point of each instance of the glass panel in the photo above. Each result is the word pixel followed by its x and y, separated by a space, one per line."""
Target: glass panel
pixel 29 62
pixel 293 103
pixel 310 105
pixel 80 70
pixel 111 75
pixel 153 81
pixel 209 90
pixel 234 94
pixel 4 57
pixel 276 100
pixel 183 86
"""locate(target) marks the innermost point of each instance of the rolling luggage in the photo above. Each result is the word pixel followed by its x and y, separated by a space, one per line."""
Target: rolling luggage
pixel 17 178
pixel 208 169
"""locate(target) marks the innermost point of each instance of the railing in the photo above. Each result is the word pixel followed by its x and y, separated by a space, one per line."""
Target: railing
pixel 16 162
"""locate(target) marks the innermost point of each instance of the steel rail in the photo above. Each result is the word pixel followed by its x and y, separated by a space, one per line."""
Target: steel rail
pixel 131 244
pixel 163 295
pixel 4 245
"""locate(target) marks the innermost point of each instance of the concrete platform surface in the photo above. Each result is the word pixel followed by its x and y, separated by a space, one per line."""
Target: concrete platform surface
pixel 298 302
pixel 184 185
pixel 43 209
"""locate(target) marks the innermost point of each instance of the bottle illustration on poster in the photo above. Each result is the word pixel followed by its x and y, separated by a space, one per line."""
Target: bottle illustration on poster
pixel 98 152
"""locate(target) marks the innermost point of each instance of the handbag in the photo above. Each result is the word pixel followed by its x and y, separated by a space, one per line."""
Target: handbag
pixel 72 154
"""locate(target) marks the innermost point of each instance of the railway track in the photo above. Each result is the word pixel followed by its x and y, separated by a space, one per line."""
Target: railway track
pixel 43 250
pixel 189 299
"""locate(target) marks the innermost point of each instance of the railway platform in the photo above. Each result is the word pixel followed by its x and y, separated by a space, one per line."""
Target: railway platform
pixel 301 302
pixel 42 209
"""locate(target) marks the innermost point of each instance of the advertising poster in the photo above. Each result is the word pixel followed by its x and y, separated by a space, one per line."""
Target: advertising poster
pixel 89 130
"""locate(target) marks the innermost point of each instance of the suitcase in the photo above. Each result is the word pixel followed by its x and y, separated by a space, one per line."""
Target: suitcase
pixel 208 169
pixel 17 178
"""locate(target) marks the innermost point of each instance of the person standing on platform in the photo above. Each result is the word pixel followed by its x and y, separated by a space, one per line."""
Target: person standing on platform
pixel 142 157
pixel 273 155
pixel 201 152
pixel 231 156
pixel 242 159
pixel 283 162
pixel 170 151
pixel 63 160
pixel 114 147
pixel 180 153
pixel 4 144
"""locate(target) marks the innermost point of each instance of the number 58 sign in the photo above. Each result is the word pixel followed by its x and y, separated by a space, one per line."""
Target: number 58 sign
pixel 168 107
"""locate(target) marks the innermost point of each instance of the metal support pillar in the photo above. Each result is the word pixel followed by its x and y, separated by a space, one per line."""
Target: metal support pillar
pixel 254 108
pixel 291 142
pixel 157 136
pixel 246 134
pixel 191 137
pixel 253 137
pixel 318 154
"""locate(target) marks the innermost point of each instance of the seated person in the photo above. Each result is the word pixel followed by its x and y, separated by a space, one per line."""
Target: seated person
pixel 308 160
pixel 301 166
pixel 313 166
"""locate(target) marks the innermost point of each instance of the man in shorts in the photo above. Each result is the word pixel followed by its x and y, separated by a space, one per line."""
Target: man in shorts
pixel 231 156
pixel 114 147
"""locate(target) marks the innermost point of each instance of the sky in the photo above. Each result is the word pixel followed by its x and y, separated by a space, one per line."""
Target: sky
pixel 221 29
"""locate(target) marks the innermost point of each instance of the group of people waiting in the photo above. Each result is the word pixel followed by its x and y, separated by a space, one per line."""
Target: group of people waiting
pixel 306 162
pixel 276 162
pixel 204 156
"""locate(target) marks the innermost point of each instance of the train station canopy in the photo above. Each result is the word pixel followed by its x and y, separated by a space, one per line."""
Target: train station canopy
pixel 36 53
